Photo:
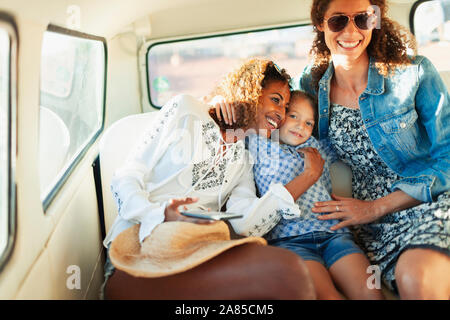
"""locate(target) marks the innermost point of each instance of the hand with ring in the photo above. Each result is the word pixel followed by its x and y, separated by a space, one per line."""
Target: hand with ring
pixel 349 210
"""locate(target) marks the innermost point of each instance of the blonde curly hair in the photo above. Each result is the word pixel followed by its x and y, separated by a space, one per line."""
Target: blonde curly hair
pixel 388 45
pixel 244 86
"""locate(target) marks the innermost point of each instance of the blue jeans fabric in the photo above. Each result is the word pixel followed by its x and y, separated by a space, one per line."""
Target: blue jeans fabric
pixel 323 247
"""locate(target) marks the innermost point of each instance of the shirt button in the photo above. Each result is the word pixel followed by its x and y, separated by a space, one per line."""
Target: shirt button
pixel 324 110
pixel 324 89
pixel 402 125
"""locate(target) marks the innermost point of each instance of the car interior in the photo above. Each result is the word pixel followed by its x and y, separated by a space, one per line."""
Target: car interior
pixel 81 80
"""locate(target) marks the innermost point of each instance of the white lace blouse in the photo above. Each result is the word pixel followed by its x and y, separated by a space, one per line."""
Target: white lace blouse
pixel 181 155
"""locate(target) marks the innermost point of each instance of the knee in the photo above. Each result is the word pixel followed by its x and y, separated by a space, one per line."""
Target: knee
pixel 411 281
pixel 290 277
pixel 371 294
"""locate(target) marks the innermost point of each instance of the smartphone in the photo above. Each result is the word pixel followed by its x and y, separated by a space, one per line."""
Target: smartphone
pixel 211 215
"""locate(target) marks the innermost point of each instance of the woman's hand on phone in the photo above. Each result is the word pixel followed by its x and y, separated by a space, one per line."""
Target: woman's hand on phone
pixel 173 214
pixel 313 162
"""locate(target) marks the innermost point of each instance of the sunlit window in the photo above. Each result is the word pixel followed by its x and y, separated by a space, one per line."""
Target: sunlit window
pixel 195 66
pixel 432 31
pixel 71 102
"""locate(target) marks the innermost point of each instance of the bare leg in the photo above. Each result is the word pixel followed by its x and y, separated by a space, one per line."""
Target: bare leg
pixel 423 274
pixel 323 283
pixel 349 274
pixel 249 271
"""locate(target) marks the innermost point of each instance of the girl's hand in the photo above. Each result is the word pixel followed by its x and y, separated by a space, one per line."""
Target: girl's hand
pixel 228 109
pixel 351 211
pixel 313 162
pixel 173 214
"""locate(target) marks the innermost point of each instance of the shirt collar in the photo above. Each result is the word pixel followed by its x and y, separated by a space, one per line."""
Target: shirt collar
pixel 307 143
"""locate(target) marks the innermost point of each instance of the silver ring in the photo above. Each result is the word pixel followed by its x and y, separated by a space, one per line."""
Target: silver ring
pixel 337 208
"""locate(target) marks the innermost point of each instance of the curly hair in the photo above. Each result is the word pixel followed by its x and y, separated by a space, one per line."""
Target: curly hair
pixel 388 45
pixel 244 86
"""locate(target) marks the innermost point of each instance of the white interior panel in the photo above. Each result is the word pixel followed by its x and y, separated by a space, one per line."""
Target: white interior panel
pixel 33 227
pixel 39 281
pixel 97 279
pixel 76 241
pixel 123 93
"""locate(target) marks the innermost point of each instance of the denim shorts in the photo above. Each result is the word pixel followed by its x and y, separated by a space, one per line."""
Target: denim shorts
pixel 323 247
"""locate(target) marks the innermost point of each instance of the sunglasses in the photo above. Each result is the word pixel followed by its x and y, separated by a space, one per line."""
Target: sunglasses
pixel 363 21
pixel 277 68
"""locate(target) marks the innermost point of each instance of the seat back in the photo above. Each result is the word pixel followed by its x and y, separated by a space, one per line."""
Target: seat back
pixel 341 179
pixel 54 142
pixel 114 147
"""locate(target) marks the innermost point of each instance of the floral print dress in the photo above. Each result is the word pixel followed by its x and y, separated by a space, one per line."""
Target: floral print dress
pixel 424 226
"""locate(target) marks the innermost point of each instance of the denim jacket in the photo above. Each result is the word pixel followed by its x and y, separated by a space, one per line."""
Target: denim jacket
pixel 407 117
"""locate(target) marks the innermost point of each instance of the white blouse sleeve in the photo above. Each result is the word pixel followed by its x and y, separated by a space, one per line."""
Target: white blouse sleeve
pixel 260 214
pixel 129 181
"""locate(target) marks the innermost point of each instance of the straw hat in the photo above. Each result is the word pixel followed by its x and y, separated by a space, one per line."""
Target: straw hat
pixel 172 247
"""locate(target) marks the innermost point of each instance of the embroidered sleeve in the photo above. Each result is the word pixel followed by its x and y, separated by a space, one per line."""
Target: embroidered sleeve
pixel 129 182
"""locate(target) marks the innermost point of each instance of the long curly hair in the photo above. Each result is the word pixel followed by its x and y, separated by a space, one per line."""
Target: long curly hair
pixel 244 86
pixel 388 45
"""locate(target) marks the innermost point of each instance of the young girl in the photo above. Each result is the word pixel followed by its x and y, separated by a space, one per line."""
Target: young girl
pixel 331 255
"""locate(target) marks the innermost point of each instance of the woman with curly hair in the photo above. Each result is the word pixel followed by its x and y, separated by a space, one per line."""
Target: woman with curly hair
pixel 387 115
pixel 188 159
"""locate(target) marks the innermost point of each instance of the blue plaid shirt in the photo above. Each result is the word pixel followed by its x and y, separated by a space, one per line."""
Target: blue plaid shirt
pixel 281 163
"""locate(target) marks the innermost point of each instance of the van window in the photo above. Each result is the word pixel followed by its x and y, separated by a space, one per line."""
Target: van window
pixel 432 31
pixel 7 137
pixel 195 66
pixel 72 86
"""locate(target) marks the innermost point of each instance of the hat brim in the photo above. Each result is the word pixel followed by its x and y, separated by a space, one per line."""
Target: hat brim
pixel 125 255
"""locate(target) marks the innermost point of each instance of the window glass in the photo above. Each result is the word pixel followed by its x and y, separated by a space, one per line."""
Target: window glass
pixel 4 137
pixel 196 66
pixel 432 31
pixel 71 102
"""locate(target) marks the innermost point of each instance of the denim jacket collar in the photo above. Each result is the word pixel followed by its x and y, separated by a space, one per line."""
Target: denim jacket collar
pixel 375 83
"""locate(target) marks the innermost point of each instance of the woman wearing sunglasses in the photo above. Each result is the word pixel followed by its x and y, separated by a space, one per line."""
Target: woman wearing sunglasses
pixel 387 114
